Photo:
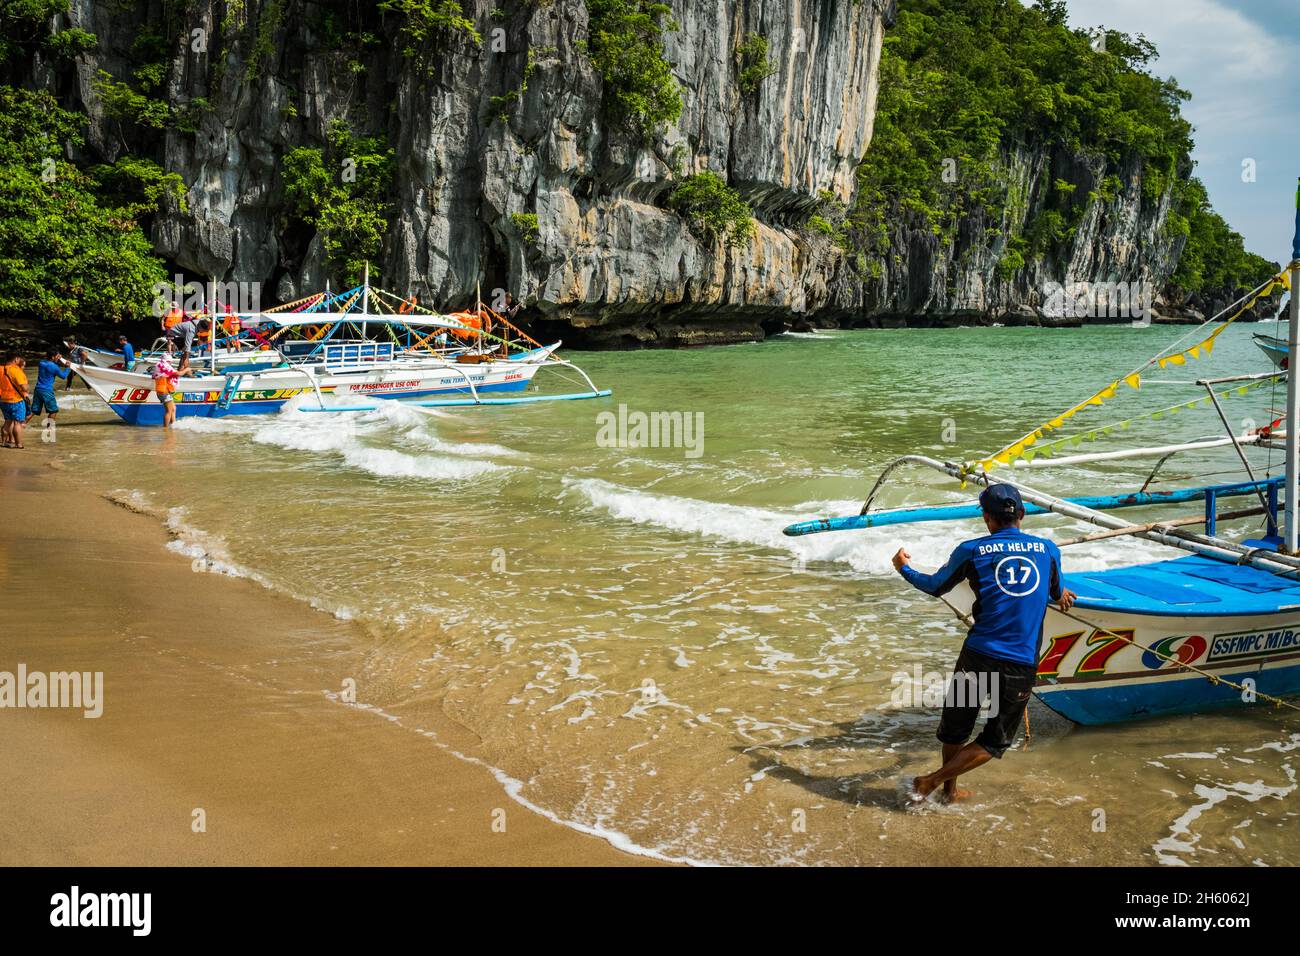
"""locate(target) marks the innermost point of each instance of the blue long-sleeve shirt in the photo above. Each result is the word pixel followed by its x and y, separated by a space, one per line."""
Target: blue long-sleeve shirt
pixel 1013 575
pixel 45 374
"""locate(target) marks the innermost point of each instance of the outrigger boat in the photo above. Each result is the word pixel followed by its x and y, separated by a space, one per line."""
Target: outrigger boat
pixel 1272 346
pixel 1218 627
pixel 427 360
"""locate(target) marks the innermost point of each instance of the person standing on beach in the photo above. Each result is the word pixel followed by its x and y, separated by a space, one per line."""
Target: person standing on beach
pixel 1013 575
pixel 164 383
pixel 51 367
pixel 13 400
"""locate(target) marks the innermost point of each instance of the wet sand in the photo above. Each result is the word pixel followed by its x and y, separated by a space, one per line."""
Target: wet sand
pixel 220 696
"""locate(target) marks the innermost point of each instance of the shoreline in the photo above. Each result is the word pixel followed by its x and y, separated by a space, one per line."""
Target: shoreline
pixel 220 743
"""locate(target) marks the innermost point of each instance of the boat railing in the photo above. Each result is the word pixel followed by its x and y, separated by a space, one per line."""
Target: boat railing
pixel 357 353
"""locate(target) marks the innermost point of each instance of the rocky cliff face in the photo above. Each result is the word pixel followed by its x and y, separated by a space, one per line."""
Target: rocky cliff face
pixel 609 264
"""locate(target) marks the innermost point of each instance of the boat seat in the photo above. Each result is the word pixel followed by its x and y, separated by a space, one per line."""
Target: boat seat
pixel 1193 585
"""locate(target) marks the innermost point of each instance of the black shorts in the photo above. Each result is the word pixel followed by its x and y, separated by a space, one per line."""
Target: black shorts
pixel 1006 684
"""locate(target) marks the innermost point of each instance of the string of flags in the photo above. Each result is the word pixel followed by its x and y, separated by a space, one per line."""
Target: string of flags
pixel 1023 447
pixel 1073 441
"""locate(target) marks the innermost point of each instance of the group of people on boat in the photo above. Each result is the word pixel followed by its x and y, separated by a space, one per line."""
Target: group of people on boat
pixel 181 330
pixel 184 334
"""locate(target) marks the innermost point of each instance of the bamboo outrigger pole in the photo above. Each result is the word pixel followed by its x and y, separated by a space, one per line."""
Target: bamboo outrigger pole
pixel 212 318
pixel 365 299
pixel 1292 526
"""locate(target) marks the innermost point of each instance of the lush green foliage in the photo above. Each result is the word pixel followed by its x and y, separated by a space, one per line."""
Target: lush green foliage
pixel 752 62
pixel 270 17
pixel 1214 256
pixel 963 80
pixel 626 47
pixel 426 18
pixel 71 246
pixel 713 209
pixel 24 29
pixel 343 191
pixel 526 223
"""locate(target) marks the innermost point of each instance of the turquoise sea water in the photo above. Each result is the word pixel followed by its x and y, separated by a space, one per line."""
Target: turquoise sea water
pixel 632 639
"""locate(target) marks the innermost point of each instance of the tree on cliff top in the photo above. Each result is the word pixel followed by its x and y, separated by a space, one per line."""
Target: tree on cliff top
pixel 343 191
pixel 71 245
pixel 962 81
pixel 626 47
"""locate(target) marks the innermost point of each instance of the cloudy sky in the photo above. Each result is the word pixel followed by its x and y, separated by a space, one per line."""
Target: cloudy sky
pixel 1240 59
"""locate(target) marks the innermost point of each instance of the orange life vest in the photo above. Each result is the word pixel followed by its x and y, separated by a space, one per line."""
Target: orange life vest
pixel 471 319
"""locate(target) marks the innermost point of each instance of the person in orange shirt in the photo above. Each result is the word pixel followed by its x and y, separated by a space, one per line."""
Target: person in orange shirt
pixel 164 383
pixel 232 328
pixel 13 400
pixel 173 316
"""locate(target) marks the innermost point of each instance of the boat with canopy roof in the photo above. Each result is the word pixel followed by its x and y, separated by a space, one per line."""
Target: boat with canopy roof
pixel 354 348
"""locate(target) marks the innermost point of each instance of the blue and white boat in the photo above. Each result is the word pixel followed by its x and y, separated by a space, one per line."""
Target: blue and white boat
pixel 353 357
pixel 1217 627
pixel 1272 346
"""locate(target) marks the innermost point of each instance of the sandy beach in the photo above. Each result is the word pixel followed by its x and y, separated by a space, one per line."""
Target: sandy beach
pixel 221 706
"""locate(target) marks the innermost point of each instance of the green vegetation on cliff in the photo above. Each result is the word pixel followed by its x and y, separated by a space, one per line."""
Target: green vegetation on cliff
pixel 965 81
pixel 626 46
pixel 713 210
pixel 1214 256
pixel 343 191
pixel 71 245
pixel 25 29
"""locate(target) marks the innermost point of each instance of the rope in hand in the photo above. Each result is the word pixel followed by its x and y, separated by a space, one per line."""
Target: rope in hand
pixel 1212 678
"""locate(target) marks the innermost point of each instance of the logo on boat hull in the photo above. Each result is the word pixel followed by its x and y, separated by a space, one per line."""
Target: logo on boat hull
pixel 1100 653
pixel 1173 651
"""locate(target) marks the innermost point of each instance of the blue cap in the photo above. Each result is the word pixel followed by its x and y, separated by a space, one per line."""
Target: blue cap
pixel 1002 502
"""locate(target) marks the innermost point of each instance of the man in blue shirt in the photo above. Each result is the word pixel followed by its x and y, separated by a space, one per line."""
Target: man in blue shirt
pixel 128 353
pixel 1013 575
pixel 51 367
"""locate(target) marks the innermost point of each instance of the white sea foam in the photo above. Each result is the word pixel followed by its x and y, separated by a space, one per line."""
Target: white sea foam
pixel 742 524
pixel 344 438
pixel 514 790
pixel 209 553
pixel 868 551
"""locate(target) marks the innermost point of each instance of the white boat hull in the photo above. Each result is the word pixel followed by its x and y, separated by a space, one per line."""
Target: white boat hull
pixel 132 396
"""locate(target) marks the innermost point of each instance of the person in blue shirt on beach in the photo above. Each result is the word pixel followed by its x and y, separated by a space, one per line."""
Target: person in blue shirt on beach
pixel 128 353
pixel 1014 576
pixel 51 367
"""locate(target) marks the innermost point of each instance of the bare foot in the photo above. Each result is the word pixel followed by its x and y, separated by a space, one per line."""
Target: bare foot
pixel 922 788
pixel 956 795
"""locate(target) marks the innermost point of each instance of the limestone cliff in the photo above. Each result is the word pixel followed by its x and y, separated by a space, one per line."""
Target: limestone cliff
pixel 486 133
